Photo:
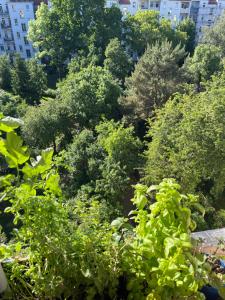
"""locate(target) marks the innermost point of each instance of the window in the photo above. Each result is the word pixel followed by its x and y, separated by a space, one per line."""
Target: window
pixel 24 28
pixel 21 48
pixel 157 5
pixel 18 34
pixel 16 21
pixel 28 53
pixel 21 14
pixel 211 11
pixel 185 5
pixel 203 4
pixel 1 9
pixel 134 4
pixel 27 6
pixel 26 41
pixel 2 48
pixel 9 48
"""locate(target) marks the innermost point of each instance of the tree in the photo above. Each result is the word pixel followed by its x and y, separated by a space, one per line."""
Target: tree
pixel 117 61
pixel 44 123
pixel 90 95
pixel 145 28
pixel 187 142
pixel 187 25
pixel 111 28
pixel 101 165
pixel 205 62
pixel 20 78
pixel 11 105
pixel 66 28
pixel 215 35
pixel 120 144
pixel 5 73
pixel 37 80
pixel 28 79
pixel 156 77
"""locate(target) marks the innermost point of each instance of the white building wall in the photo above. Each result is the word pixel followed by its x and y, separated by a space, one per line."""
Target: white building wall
pixel 20 14
pixel 6 35
pixel 209 11
pixel 175 11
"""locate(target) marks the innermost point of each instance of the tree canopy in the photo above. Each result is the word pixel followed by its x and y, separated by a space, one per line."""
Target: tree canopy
pixel 215 35
pixel 187 142
pixel 117 61
pixel 156 77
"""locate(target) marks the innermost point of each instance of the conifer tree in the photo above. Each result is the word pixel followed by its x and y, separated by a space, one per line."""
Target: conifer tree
pixel 156 77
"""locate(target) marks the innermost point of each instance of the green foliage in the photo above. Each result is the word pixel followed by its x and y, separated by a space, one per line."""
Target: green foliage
pixel 188 142
pixel 5 73
pixel 215 35
pixel 205 62
pixel 84 60
pixel 90 95
pixel 11 105
pixel 117 60
pixel 28 79
pixel 37 80
pixel 159 258
pixel 187 25
pixel 104 164
pixel 20 77
pixel 146 28
pixel 72 26
pixel 44 123
pixel 120 144
pixel 156 77
pixel 82 99
pixel 71 247
pixel 70 250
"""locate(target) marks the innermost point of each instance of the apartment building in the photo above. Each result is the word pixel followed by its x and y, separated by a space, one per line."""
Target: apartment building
pixel 203 12
pixel 208 12
pixel 175 11
pixel 14 21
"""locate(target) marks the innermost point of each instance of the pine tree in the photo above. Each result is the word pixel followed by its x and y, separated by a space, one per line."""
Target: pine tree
pixel 5 73
pixel 156 77
pixel 20 78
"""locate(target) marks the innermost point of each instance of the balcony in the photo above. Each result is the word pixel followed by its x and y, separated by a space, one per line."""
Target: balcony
pixel 4 12
pixel 5 26
pixel 8 39
pixel 184 10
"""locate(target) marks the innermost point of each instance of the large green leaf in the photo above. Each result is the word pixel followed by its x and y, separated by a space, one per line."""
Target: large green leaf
pixel 15 153
pixel 8 124
pixel 40 165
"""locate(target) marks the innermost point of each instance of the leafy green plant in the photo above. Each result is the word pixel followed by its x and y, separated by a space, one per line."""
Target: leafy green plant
pixel 56 251
pixel 160 261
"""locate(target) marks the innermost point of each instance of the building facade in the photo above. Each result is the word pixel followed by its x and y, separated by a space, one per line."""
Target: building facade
pixel 16 14
pixel 203 12
pixel 14 21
